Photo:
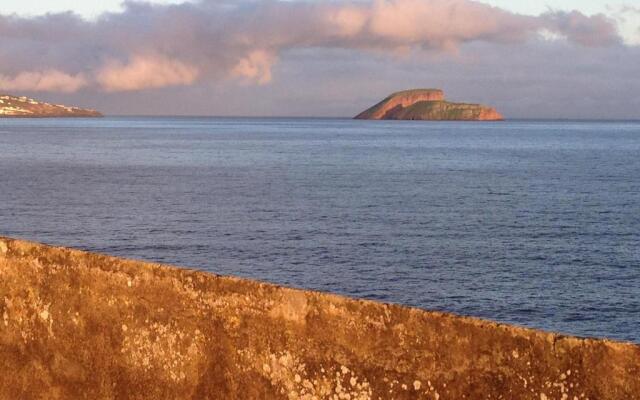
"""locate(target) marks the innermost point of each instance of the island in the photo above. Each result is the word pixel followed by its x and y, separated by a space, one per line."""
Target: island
pixel 428 105
pixel 24 107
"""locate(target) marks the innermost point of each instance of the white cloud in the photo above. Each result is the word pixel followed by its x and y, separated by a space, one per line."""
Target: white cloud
pixel 145 72
pixel 43 81
pixel 154 46
pixel 255 67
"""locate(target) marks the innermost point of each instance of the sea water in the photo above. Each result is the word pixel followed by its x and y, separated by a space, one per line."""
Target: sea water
pixel 535 223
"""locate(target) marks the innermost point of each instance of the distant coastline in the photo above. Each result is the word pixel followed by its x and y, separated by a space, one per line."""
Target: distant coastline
pixel 25 107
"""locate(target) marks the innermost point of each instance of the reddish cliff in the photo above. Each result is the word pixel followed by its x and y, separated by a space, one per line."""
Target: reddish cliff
pixel 428 104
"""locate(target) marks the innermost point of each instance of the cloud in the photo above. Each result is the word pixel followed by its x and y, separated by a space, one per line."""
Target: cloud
pixel 446 23
pixel 43 81
pixel 595 30
pixel 144 72
pixel 628 21
pixel 630 9
pixel 256 67
pixel 152 46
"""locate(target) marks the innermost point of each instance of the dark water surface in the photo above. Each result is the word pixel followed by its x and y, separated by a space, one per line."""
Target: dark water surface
pixel 533 223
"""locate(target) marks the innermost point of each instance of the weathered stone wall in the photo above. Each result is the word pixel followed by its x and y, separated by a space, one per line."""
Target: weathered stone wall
pixel 76 325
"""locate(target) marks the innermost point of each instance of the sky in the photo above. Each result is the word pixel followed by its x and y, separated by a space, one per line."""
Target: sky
pixel 530 59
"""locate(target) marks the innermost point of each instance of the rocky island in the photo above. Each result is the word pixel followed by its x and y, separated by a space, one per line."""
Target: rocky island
pixel 24 107
pixel 428 105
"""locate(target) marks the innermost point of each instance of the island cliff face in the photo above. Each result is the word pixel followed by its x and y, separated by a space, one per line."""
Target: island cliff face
pixel 12 106
pixel 428 104
pixel 78 325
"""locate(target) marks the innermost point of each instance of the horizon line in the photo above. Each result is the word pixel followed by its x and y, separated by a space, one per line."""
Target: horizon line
pixel 507 119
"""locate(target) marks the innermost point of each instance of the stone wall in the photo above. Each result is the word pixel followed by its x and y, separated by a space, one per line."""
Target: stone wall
pixel 80 325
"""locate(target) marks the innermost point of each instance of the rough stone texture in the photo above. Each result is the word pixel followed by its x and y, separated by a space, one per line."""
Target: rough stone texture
pixel 401 99
pixel 427 104
pixel 444 111
pixel 81 325
pixel 24 107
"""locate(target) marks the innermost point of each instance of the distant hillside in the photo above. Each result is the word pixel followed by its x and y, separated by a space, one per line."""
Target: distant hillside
pixel 12 107
pixel 428 104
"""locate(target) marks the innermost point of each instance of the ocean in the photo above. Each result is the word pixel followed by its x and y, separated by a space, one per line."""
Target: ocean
pixel 535 223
